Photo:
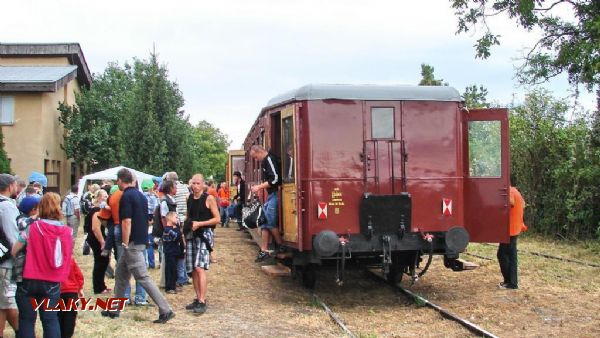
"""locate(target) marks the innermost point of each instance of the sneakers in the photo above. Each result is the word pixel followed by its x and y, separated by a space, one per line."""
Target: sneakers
pixel 192 305
pixel 172 292
pixel 199 309
pixel 262 255
pixel 165 317
pixel 504 285
pixel 110 314
pixel 143 303
pixel 281 248
pixel 105 253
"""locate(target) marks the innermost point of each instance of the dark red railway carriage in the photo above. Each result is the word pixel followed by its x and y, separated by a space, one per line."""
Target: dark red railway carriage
pixel 384 174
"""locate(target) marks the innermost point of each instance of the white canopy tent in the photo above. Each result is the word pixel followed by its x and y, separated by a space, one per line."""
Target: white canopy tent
pixel 110 174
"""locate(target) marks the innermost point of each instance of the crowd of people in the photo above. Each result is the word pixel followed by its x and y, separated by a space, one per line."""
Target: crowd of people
pixel 177 219
pixel 119 221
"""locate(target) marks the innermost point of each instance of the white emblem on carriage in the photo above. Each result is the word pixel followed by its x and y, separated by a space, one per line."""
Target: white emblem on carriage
pixel 446 207
pixel 322 210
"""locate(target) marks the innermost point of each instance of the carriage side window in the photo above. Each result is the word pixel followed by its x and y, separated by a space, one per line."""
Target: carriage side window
pixel 484 149
pixel 288 163
pixel 382 123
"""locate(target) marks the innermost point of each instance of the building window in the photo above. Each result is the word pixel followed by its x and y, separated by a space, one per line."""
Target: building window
pixel 7 110
pixel 382 123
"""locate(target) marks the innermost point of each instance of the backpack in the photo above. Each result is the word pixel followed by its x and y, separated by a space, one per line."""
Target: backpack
pixel 4 244
pixel 157 227
pixel 85 203
pixel 254 215
pixel 68 208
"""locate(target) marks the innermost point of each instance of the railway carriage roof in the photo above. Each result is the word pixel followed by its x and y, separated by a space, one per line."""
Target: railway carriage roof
pixel 368 92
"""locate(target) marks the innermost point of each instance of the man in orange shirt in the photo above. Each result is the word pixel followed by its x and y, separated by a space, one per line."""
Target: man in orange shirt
pixel 507 252
pixel 224 204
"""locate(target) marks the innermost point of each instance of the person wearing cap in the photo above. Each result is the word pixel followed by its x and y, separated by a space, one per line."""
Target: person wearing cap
pixel 29 212
pixel 148 189
pixel 8 223
pixel 70 208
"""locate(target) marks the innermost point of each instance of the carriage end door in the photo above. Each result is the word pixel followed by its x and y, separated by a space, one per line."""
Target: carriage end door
pixel 382 154
pixel 486 163
pixel 289 194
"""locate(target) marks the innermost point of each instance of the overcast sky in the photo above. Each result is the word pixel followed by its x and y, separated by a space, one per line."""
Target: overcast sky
pixel 231 57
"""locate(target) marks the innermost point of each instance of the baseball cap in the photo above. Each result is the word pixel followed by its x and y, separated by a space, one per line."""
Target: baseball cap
pixel 28 203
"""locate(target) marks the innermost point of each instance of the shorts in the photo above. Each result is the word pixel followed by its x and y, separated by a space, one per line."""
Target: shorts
pixel 197 254
pixel 271 210
pixel 8 288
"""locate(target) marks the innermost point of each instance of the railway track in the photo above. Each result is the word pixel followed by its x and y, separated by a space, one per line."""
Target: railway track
pixel 479 331
pixel 539 254
pixel 475 329
pixel 333 316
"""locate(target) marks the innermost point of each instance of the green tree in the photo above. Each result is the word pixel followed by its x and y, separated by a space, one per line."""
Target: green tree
pixel 209 146
pixel 476 97
pixel 554 165
pixel 4 162
pixel 93 125
pixel 566 46
pixel 428 78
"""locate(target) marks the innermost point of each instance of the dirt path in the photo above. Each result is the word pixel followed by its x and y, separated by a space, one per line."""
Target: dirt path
pixel 242 302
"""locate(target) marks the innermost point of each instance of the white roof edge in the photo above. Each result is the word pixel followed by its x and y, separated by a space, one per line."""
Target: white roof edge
pixel 368 92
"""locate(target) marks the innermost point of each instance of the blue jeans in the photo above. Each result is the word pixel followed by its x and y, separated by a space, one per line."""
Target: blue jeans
pixel 224 215
pixel 109 240
pixel 140 293
pixel 150 249
pixel 182 276
pixel 39 290
pixel 271 209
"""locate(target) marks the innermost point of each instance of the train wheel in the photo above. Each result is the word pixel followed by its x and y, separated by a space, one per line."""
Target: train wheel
pixel 309 276
pixel 394 277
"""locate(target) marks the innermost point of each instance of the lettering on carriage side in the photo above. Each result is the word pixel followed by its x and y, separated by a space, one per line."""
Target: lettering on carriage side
pixel 337 200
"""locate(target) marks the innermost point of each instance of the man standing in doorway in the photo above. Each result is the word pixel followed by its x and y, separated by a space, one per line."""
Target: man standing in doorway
pixel 271 175
pixel 134 233
pixel 507 252
pixel 240 198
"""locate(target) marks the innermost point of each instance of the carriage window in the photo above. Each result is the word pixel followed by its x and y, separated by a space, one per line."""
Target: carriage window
pixel 382 122
pixel 287 124
pixel 484 149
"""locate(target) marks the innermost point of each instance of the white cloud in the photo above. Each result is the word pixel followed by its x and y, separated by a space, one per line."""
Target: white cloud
pixel 230 57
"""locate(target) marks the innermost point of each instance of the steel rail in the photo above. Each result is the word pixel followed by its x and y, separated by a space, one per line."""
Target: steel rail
pixel 540 254
pixel 333 316
pixel 321 303
pixel 445 313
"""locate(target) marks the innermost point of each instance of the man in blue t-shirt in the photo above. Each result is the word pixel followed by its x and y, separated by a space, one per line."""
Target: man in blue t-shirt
pixel 133 212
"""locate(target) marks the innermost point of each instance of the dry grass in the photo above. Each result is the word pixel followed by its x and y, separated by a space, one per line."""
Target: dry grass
pixel 555 299
pixel 242 302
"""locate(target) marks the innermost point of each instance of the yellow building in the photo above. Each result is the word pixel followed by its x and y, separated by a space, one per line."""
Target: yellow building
pixel 34 78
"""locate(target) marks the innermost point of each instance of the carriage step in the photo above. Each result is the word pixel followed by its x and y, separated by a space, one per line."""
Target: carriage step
pixel 278 270
pixel 466 265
